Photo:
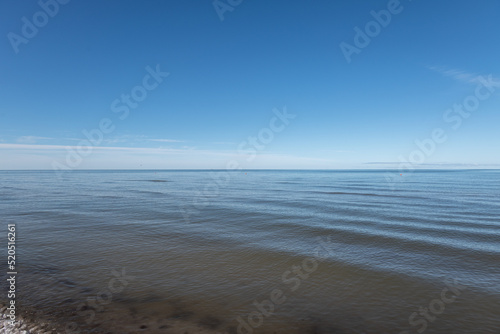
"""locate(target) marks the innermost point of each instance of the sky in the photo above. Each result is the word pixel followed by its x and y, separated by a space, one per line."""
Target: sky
pixel 184 84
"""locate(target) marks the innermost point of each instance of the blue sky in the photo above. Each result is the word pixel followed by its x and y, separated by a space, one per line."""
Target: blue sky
pixel 227 79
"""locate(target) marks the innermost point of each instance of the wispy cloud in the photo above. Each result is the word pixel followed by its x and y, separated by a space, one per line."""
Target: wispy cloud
pixel 14 156
pixel 461 75
pixel 139 138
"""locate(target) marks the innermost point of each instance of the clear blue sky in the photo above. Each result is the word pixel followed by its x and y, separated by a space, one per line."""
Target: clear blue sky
pixel 227 76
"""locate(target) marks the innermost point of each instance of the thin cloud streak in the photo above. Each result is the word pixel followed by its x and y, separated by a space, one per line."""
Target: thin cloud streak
pixel 96 148
pixel 31 139
pixel 166 140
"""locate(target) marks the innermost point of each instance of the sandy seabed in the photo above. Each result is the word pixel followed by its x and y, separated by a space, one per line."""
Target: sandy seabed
pixel 37 322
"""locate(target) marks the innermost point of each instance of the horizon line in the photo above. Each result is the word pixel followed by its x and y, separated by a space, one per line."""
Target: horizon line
pixel 248 169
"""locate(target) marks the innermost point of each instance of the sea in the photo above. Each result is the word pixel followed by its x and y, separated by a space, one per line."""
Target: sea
pixel 255 251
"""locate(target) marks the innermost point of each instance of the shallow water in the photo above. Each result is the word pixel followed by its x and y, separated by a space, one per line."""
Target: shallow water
pixel 349 251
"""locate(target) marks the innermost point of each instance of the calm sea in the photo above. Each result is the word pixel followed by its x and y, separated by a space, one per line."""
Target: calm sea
pixel 257 251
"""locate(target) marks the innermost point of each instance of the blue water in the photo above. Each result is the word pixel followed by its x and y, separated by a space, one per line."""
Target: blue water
pixel 203 246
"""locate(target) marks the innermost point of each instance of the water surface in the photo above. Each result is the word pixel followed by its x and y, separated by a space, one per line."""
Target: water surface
pixel 203 246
